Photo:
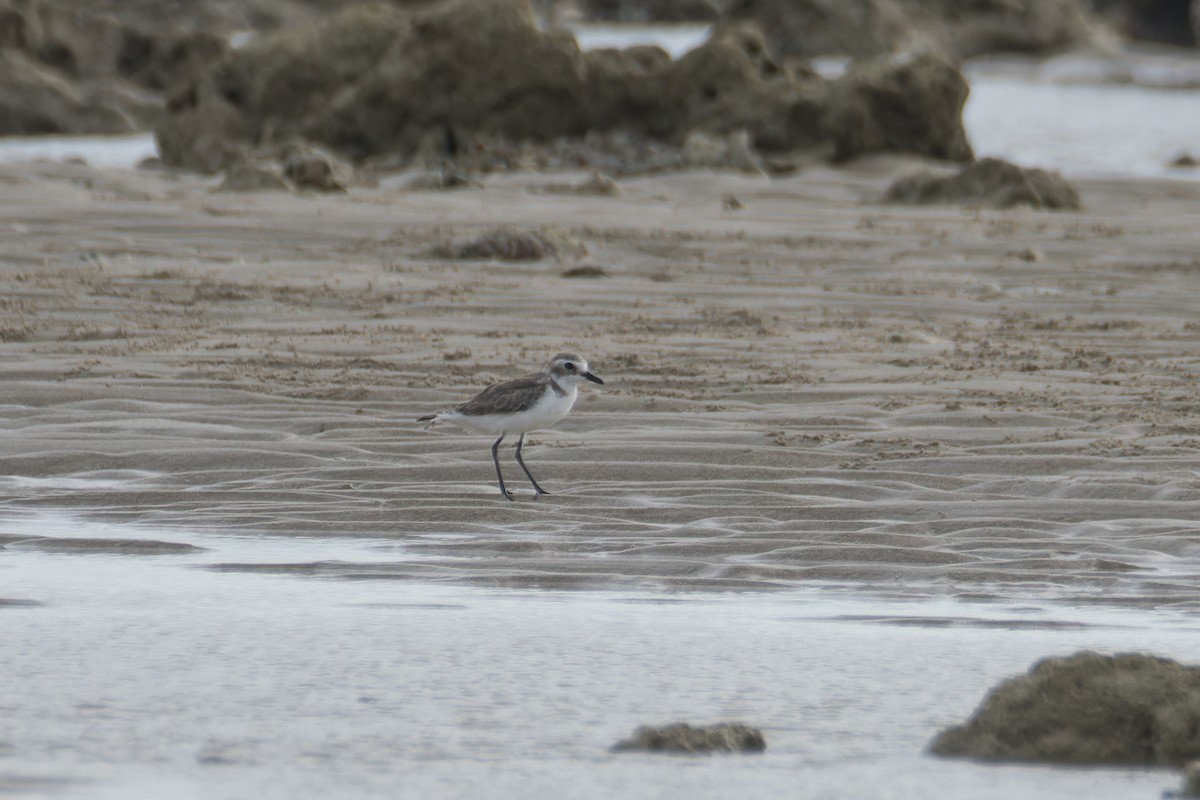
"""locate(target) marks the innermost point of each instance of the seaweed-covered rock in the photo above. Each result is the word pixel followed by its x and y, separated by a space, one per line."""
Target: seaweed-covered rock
pixel 505 244
pixel 726 737
pixel 987 182
pixel 1161 21
pixel 969 28
pixel 909 103
pixel 1127 709
pixel 461 80
pixel 1191 780
pixel 827 27
pixel 468 67
pixel 35 99
pixel 69 69
pixel 201 130
pixel 249 175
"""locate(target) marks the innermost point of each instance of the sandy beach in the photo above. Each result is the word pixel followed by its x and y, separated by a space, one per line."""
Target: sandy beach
pixel 811 387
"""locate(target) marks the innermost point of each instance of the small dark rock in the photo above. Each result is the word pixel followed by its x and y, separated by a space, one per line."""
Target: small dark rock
pixel 1184 161
pixel 987 182
pixel 725 737
pixel 254 176
pixel 510 245
pixel 586 271
pixel 308 167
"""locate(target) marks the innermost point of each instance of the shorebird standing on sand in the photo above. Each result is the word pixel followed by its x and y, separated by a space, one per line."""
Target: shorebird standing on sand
pixel 535 401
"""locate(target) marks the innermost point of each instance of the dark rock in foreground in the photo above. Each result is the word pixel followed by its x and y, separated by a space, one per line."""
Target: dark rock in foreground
pixel 1127 709
pixel 726 737
pixel 987 182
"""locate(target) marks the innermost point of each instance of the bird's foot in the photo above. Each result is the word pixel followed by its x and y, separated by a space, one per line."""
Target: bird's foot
pixel 505 493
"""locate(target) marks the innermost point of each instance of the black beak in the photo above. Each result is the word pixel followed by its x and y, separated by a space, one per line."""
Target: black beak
pixel 593 378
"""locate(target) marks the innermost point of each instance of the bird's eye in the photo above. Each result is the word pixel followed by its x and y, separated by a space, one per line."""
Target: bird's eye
pixel 569 367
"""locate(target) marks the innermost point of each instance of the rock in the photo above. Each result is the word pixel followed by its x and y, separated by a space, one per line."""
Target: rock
pixel 84 71
pixel 254 176
pixel 731 84
pixel 728 737
pixel 909 104
pixel 476 82
pixel 702 149
pixel 441 180
pixel 509 245
pixel 280 82
pixel 980 27
pixel 160 61
pixel 987 182
pixel 308 167
pixel 1184 161
pixel 584 271
pixel 810 28
pixel 35 100
pixel 201 131
pixel 876 27
pixel 1191 780
pixel 1129 709
pixel 598 185
pixel 468 67
pixel 1160 21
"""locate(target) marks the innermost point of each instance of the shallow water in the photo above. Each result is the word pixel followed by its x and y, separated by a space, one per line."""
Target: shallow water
pixel 142 675
pixel 1083 129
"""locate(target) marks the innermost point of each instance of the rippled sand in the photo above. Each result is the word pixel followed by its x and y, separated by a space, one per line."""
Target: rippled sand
pixel 813 387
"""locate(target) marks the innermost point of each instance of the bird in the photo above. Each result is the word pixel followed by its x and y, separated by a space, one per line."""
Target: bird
pixel 535 401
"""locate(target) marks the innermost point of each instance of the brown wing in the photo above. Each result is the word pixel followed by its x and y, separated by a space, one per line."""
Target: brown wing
pixel 508 397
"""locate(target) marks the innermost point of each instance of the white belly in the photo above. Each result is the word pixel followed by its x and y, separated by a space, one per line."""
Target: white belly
pixel 549 409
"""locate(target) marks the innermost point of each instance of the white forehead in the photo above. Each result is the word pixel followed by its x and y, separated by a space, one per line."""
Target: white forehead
pixel 560 361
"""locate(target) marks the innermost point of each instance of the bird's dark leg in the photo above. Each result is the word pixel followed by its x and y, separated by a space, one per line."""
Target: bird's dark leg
pixel 539 490
pixel 499 474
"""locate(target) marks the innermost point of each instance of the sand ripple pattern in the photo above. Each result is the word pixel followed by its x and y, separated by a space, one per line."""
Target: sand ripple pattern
pixel 815 389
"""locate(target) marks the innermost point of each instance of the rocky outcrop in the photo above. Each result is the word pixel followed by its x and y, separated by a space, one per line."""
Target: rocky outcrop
pixel 75 70
pixel 910 104
pixel 35 100
pixel 873 27
pixel 1173 22
pixel 460 67
pixel 726 737
pixel 988 182
pixel 1128 709
pixel 809 28
pixel 451 79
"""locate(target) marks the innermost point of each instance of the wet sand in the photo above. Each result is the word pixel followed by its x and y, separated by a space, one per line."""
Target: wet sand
pixel 814 387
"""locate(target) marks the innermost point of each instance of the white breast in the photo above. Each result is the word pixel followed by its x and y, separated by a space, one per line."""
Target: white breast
pixel 549 409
